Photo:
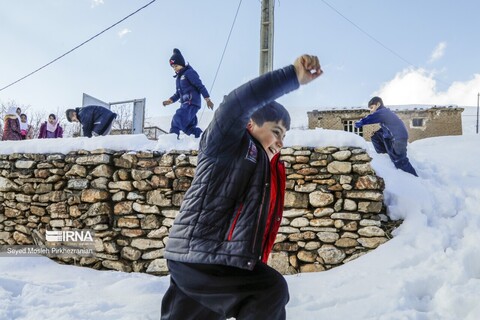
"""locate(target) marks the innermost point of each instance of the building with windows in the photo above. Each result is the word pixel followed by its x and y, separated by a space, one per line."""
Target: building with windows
pixel 421 121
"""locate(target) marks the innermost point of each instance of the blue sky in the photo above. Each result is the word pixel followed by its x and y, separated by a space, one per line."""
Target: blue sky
pixel 130 61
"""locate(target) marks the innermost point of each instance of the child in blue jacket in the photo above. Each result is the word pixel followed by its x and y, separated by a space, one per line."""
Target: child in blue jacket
pixel 392 137
pixel 95 120
pixel 189 87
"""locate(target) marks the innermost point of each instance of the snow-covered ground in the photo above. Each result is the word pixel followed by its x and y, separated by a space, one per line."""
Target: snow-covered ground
pixel 429 270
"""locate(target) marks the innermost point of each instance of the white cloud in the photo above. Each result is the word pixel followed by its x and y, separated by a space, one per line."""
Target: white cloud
pixel 123 32
pixel 96 3
pixel 418 86
pixel 438 52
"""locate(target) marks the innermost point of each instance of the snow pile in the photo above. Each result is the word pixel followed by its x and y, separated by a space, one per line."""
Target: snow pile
pixel 430 270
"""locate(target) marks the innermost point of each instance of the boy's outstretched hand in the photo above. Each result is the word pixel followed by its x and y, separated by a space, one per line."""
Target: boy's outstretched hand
pixel 307 68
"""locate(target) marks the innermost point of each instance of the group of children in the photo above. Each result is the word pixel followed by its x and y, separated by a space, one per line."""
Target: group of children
pixel 220 241
pixel 95 121
pixel 16 126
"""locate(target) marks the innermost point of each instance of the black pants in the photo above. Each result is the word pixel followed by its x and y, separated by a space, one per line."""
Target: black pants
pixel 210 292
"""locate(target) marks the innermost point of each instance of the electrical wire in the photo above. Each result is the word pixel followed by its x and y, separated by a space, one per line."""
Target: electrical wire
pixel 378 41
pixel 76 47
pixel 368 35
pixel 223 53
pixel 226 45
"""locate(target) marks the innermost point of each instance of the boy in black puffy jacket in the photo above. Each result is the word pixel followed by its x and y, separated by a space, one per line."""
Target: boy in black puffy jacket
pixel 95 120
pixel 220 241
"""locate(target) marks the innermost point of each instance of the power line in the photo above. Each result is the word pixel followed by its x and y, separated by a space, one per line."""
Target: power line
pixel 223 53
pixel 368 35
pixel 226 44
pixel 378 41
pixel 75 48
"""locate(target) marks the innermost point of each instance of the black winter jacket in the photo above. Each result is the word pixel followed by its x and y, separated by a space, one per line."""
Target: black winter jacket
pixel 231 183
pixel 95 119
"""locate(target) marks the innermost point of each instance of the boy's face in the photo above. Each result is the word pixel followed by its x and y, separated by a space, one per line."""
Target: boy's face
pixel 73 116
pixel 177 67
pixel 23 118
pixel 270 135
pixel 374 107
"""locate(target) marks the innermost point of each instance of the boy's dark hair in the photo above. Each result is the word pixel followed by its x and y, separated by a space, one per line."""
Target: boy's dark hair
pixel 68 113
pixel 375 100
pixel 273 111
pixel 52 115
pixel 23 114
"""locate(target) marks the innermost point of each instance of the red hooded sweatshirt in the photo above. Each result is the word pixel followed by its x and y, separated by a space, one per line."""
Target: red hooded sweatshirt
pixel 275 211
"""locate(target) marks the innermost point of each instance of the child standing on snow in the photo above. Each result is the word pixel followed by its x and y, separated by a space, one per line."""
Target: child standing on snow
pixel 11 126
pixel 51 128
pixel 26 130
pixel 221 239
pixel 189 87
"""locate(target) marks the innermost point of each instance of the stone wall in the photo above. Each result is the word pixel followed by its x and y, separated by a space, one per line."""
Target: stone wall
pixel 333 207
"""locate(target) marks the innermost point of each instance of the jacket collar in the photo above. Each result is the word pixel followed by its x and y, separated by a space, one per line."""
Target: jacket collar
pixel 182 71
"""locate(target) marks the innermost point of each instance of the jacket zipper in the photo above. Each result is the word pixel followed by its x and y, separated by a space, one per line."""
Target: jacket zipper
pixel 266 183
pixel 275 215
pixel 237 215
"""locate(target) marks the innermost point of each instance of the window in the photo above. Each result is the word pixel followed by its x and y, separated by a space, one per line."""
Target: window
pixel 417 122
pixel 349 126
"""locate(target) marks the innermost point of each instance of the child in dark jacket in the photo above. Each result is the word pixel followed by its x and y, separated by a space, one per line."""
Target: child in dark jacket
pixel 189 87
pixel 51 128
pixel 95 120
pixel 392 137
pixel 221 239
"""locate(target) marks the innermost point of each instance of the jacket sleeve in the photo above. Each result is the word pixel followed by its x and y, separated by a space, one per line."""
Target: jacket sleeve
pixel 101 118
pixel 87 121
pixel 175 97
pixel 60 132
pixel 87 130
pixel 194 79
pixel 372 118
pixel 230 120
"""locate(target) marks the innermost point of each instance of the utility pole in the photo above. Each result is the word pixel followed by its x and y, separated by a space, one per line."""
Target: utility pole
pixel 478 100
pixel 266 37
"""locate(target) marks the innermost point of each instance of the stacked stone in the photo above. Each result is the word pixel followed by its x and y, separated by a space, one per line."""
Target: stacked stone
pixel 333 209
pixel 333 206
pixel 25 193
pixel 128 199
pixel 147 190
